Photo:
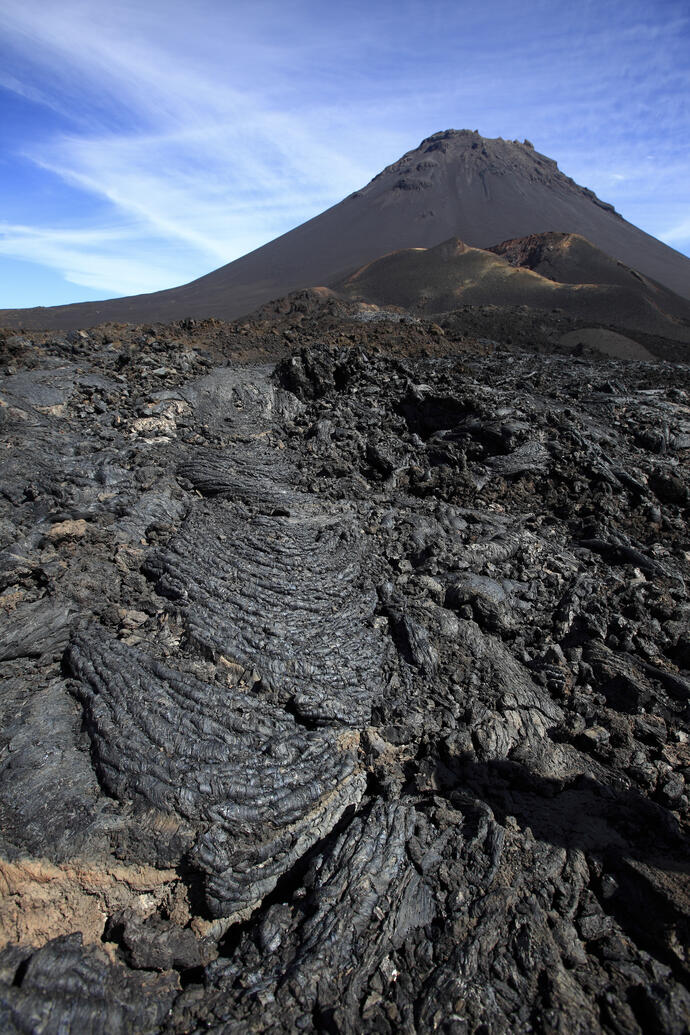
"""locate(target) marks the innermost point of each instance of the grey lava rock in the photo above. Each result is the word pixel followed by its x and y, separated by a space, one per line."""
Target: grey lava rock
pixel 260 789
pixel 284 597
pixel 347 695
pixel 66 986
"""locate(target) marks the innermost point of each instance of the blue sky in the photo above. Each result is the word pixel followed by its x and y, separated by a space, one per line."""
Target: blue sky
pixel 145 144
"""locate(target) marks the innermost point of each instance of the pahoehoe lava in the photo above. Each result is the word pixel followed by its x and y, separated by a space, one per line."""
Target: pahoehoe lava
pixel 345 694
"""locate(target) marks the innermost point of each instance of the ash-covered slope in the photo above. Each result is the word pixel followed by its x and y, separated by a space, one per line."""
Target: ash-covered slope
pixel 570 259
pixel 456 183
pixel 350 696
pixel 546 271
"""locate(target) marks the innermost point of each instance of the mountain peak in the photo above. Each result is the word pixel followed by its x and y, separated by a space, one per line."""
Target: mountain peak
pixel 462 155
pixel 455 184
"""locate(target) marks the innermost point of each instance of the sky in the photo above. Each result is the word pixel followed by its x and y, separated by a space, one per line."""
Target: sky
pixel 143 144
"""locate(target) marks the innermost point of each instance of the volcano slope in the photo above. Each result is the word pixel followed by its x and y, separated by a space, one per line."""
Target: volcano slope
pixel 456 183
pixel 346 695
pixel 542 272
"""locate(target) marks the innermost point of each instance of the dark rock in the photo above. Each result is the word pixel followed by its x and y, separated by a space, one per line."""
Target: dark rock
pixel 42 628
pixel 273 798
pixel 153 943
pixel 284 597
pixel 260 789
pixel 68 987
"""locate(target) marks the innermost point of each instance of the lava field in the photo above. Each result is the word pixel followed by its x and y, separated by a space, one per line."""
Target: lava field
pixel 347 693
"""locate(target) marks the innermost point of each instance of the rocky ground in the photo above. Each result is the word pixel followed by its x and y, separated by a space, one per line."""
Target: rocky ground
pixel 344 694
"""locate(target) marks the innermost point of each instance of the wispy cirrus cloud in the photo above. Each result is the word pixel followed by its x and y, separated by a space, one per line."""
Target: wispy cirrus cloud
pixel 97 258
pixel 678 234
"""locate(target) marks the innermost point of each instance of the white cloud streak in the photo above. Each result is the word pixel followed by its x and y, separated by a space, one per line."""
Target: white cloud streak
pixel 95 259
pixel 678 234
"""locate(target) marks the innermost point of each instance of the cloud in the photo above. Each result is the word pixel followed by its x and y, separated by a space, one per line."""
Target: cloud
pixel 213 192
pixel 677 234
pixel 106 260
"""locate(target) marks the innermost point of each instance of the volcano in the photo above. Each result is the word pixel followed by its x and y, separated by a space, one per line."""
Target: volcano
pixel 456 184
pixel 544 272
